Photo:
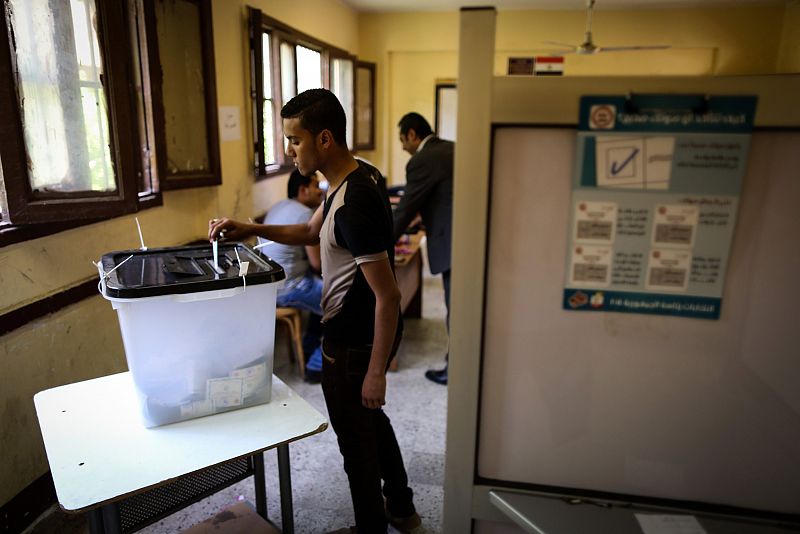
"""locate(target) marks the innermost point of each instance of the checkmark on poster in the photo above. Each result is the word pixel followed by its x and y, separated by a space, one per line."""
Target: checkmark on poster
pixel 634 162
pixel 617 167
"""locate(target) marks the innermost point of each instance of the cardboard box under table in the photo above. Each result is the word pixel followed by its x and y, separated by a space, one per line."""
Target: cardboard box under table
pixel 199 337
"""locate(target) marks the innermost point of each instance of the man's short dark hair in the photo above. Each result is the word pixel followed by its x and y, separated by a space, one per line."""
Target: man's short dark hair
pixel 318 109
pixel 296 180
pixel 416 122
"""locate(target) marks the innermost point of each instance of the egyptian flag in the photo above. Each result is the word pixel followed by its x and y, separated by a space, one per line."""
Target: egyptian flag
pixel 549 66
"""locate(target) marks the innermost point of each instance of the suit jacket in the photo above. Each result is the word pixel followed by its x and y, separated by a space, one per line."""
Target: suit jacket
pixel 429 192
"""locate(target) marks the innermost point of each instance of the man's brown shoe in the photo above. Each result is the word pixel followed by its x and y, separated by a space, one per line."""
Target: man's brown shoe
pixel 404 524
pixel 345 530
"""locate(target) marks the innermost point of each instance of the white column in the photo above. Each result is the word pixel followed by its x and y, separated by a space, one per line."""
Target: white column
pixel 470 204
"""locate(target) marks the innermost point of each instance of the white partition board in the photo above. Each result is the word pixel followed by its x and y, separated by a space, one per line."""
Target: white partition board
pixel 665 407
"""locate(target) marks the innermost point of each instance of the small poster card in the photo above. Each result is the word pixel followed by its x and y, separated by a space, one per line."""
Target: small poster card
pixel 225 392
pixel 591 266
pixel 675 225
pixel 669 524
pixel 668 269
pixel 253 378
pixel 595 222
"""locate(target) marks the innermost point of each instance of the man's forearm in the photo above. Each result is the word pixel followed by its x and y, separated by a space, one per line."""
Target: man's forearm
pixel 288 234
pixel 386 315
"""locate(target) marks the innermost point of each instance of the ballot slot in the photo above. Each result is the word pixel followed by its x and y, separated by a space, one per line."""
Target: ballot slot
pixel 182 266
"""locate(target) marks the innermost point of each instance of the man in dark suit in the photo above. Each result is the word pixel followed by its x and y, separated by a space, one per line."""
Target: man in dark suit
pixel 429 192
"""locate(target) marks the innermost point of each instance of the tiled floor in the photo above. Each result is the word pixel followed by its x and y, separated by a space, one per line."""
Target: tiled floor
pixel 416 407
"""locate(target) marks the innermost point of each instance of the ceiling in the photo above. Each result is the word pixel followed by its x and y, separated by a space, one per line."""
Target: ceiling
pixel 452 5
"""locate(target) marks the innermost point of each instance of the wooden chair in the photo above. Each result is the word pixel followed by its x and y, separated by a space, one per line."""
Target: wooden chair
pixel 291 318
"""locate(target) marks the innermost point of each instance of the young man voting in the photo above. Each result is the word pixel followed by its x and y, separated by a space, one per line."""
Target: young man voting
pixel 360 304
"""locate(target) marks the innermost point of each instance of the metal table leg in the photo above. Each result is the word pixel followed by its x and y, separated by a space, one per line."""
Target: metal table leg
pixel 111 523
pixel 285 477
pixel 260 483
pixel 96 521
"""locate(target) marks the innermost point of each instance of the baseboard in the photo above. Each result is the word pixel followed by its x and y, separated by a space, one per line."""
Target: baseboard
pixel 25 507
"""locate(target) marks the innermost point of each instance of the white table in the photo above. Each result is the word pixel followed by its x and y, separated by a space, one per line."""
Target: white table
pixel 100 453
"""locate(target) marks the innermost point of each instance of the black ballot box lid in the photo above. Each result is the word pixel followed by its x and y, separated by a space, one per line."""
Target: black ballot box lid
pixel 134 274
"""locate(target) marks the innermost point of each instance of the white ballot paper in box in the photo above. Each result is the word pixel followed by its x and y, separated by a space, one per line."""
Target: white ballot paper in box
pixel 668 269
pixel 253 378
pixel 595 222
pixel 197 408
pixel 225 392
pixel 675 225
pixel 591 266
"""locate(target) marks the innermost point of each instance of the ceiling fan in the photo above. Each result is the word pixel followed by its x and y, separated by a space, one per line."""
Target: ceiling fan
pixel 587 47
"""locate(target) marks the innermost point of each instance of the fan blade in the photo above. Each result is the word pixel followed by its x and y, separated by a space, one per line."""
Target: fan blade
pixel 634 47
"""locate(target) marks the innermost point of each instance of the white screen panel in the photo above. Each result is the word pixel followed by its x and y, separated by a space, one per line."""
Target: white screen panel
pixel 667 407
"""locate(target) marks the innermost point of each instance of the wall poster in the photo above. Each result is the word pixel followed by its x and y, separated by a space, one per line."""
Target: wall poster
pixel 654 197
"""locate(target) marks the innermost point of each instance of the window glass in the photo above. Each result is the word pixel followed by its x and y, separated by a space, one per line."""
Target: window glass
pixel 147 184
pixel 309 69
pixel 183 86
pixel 342 87
pixel 269 107
pixel 63 103
pixel 287 72
pixel 3 199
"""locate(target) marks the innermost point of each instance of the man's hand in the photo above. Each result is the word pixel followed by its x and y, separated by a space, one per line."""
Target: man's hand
pixel 228 229
pixel 373 391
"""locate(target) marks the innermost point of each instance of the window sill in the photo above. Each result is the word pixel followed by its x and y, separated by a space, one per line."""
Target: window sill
pixel 10 233
pixel 275 171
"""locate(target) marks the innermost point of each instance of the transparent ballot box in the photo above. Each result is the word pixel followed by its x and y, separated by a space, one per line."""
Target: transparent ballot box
pixel 199 337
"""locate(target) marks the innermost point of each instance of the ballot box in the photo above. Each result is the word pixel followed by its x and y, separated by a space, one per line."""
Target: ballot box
pixel 199 336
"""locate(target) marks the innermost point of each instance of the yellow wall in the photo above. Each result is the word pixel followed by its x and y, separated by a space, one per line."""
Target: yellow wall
pixel 83 341
pixel 715 40
pixel 391 40
pixel 789 54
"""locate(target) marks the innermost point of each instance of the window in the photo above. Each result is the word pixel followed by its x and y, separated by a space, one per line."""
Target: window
pixel 82 102
pixel 285 62
pixel 65 119
pixel 365 106
pixel 342 86
pixel 181 63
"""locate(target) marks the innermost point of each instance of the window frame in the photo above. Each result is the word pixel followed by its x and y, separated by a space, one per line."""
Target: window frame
pixel 279 32
pixel 128 42
pixel 24 207
pixel 184 180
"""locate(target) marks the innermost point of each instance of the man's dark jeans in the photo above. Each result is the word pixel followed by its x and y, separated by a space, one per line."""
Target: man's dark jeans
pixel 366 440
